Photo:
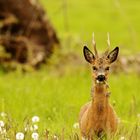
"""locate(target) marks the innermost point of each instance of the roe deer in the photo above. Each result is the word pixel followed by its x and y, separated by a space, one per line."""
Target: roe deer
pixel 98 117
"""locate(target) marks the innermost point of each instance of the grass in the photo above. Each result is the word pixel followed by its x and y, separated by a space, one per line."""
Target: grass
pixel 57 99
pixel 57 92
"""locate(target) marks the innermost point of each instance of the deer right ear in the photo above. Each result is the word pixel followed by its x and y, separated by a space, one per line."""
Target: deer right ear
pixel 112 56
pixel 89 56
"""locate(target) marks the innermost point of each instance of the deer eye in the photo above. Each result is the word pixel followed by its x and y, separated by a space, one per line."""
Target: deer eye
pixel 94 68
pixel 107 68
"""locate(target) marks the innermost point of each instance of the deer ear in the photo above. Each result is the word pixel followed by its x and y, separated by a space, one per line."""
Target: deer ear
pixel 112 56
pixel 89 56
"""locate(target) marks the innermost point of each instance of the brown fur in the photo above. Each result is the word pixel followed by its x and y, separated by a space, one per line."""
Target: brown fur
pixel 98 117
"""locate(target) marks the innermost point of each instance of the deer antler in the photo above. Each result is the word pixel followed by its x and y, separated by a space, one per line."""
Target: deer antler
pixel 94 45
pixel 108 44
pixel 108 40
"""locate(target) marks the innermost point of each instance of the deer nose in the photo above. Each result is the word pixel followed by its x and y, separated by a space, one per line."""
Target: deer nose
pixel 101 78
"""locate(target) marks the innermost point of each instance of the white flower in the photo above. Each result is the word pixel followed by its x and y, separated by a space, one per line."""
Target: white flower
pixel 122 138
pixel 19 136
pixel 35 136
pixel 35 119
pixel 76 125
pixel 1 123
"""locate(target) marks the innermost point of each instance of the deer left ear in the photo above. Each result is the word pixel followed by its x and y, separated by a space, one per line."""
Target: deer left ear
pixel 112 56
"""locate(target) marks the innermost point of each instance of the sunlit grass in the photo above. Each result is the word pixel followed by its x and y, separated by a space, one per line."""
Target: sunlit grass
pixel 57 99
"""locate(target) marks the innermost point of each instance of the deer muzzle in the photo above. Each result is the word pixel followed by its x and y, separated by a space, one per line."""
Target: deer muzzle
pixel 100 78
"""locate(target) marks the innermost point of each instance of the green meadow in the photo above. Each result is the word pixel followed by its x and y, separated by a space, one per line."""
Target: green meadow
pixel 57 91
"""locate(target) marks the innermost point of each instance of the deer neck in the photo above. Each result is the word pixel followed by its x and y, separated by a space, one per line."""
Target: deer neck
pixel 100 98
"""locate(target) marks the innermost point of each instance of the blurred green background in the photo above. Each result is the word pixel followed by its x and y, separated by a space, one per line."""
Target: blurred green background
pixel 80 18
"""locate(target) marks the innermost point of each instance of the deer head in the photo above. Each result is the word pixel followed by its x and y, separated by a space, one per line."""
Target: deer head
pixel 100 64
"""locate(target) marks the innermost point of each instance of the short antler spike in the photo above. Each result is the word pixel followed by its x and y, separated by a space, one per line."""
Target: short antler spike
pixel 94 45
pixel 108 40
pixel 108 44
